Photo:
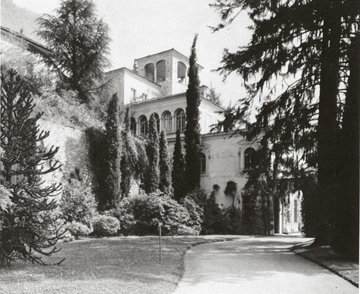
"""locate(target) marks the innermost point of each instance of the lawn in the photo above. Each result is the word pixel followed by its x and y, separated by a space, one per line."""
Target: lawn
pixel 107 265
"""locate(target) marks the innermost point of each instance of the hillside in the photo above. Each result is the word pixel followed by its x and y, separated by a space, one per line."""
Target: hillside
pixel 19 19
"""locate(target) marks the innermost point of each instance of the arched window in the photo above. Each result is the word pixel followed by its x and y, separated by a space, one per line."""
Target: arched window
pixel 149 72
pixel 180 120
pixel 157 121
pixel 143 125
pixel 202 163
pixel 160 71
pixel 133 125
pixel 167 120
pixel 181 72
pixel 249 155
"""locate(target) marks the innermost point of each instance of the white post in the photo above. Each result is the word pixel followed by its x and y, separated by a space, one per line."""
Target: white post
pixel 160 253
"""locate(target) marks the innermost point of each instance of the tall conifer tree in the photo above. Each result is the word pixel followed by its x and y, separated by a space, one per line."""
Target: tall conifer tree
pixel 178 170
pixel 165 166
pixel 78 42
pixel 29 227
pixel 311 42
pixel 152 148
pixel 192 132
pixel 126 160
pixel 113 154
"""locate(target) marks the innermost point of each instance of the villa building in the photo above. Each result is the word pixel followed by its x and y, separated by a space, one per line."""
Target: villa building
pixel 157 85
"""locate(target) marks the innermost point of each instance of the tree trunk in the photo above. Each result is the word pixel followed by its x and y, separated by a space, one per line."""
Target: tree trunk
pixel 327 120
pixel 346 223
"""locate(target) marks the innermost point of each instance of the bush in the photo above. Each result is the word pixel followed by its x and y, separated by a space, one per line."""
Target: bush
pixel 196 214
pixel 214 219
pixel 78 229
pixel 198 196
pixel 141 214
pixel 78 202
pixel 233 220
pixel 105 225
pixel 124 213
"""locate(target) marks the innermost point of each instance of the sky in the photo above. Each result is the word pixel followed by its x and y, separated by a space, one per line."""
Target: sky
pixel 142 27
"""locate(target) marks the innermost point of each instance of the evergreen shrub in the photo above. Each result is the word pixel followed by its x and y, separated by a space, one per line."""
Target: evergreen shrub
pixel 198 196
pixel 105 225
pixel 233 220
pixel 141 214
pixel 78 229
pixel 124 213
pixel 214 219
pixel 78 202
pixel 195 212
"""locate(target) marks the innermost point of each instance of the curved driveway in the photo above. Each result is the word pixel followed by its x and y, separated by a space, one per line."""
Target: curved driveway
pixel 256 265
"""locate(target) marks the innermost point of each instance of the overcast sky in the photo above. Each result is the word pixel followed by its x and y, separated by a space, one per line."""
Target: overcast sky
pixel 143 27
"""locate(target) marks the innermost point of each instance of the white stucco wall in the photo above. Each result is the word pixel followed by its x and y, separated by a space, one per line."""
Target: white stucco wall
pixel 123 80
pixel 224 163
pixel 208 115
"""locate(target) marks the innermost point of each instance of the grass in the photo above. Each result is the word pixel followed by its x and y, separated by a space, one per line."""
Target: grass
pixel 328 258
pixel 108 265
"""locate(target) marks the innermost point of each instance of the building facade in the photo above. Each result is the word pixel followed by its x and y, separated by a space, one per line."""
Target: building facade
pixel 157 85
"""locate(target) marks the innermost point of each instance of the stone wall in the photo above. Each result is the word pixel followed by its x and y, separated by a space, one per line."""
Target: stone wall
pixel 73 149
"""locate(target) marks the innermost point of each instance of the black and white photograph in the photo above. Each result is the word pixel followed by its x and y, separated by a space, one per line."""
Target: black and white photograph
pixel 179 146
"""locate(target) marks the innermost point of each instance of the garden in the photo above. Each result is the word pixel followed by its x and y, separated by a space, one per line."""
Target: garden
pixel 105 265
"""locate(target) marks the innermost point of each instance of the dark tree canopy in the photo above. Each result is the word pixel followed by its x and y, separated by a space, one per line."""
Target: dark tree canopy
pixel 29 226
pixel 214 97
pixel 192 132
pixel 113 155
pixel 178 170
pixel 127 156
pixel 165 166
pixel 79 43
pixel 134 161
pixel 152 149
pixel 306 47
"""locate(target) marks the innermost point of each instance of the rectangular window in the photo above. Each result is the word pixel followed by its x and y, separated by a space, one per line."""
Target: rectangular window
pixel 203 163
pixel 144 97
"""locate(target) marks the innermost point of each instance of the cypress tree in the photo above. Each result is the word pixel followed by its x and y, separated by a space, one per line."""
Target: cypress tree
pixel 126 169
pixel 29 227
pixel 178 171
pixel 152 150
pixel 113 154
pixel 165 166
pixel 192 132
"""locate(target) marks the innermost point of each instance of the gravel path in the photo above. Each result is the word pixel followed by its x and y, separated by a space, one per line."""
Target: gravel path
pixel 256 265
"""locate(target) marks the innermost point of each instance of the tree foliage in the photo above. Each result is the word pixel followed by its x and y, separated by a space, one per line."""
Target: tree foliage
pixel 231 190
pixel 306 47
pixel 192 131
pixel 126 158
pixel 78 202
pixel 30 224
pixel 79 43
pixel 165 166
pixel 96 141
pixel 178 170
pixel 134 161
pixel 152 150
pixel 214 97
pixel 113 154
